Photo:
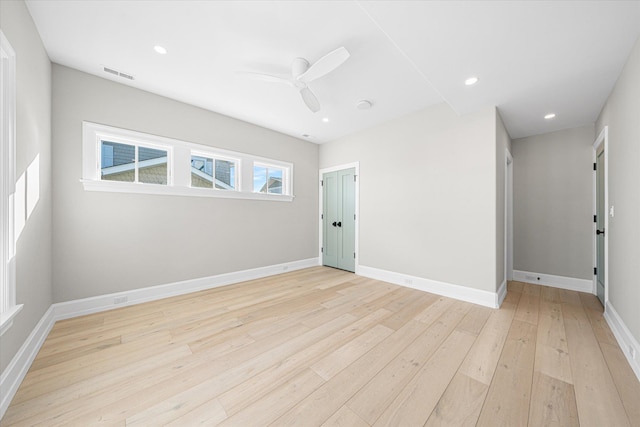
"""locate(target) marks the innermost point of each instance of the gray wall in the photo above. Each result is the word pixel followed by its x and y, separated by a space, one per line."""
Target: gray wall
pixel 553 203
pixel 503 144
pixel 621 113
pixel 427 194
pixel 111 242
pixel 33 137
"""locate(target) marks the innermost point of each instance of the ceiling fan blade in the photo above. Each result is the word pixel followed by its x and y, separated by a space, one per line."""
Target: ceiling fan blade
pixel 326 64
pixel 266 77
pixel 310 99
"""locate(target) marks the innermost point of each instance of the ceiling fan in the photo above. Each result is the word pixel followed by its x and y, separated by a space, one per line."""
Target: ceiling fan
pixel 302 73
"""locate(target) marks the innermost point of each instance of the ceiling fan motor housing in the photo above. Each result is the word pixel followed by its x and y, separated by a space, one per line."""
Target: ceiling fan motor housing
pixel 299 67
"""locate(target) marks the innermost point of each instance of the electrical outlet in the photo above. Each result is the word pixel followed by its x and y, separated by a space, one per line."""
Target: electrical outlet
pixel 285 268
pixel 529 277
pixel 120 300
pixel 408 282
pixel 632 351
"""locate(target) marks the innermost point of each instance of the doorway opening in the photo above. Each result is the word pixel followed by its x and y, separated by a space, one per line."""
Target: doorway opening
pixel 508 217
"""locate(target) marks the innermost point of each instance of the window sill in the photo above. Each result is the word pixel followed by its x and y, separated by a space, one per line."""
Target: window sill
pixel 139 188
pixel 6 319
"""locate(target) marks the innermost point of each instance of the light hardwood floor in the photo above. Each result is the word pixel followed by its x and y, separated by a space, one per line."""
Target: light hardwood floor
pixel 325 347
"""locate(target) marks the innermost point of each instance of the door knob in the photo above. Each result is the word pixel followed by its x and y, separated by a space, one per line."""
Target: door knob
pixel 599 232
pixel 334 223
pixel 339 224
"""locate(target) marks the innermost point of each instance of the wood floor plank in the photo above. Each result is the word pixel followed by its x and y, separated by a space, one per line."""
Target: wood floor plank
pixel 508 399
pixel 208 414
pixel 553 403
pixel 277 402
pixel 318 407
pixel 591 377
pixel 550 294
pixel 372 399
pixel 418 399
pixel 345 417
pixel 625 380
pixel 409 310
pixel 552 353
pixel 460 404
pixel 480 364
pixel 190 394
pixel 322 346
pixel 475 320
pixel 257 386
pixel 528 307
pixel 350 352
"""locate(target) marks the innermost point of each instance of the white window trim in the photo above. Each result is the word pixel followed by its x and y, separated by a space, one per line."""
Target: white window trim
pixel 8 307
pixel 179 165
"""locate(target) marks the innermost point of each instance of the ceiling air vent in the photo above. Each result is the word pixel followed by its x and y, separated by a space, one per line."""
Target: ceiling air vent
pixel 117 73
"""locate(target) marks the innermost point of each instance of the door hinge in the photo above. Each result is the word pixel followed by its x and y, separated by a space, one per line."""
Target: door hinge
pixel 595 167
pixel 595 218
pixel 321 216
pixel 354 255
pixel 354 178
pixel 321 250
pixel 595 271
pixel 354 217
pixel 321 183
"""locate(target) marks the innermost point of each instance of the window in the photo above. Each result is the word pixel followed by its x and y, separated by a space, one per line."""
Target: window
pixel 131 163
pixel 8 306
pixel 267 179
pixel 209 172
pixel 119 160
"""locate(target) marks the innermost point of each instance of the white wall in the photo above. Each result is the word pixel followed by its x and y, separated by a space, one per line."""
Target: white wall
pixel 621 113
pixel 553 203
pixel 33 137
pixel 427 195
pixel 112 242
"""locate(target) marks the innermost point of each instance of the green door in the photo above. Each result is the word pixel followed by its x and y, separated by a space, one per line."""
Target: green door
pixel 339 219
pixel 601 211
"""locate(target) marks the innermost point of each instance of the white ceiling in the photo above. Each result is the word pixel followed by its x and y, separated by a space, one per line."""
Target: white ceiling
pixel 532 57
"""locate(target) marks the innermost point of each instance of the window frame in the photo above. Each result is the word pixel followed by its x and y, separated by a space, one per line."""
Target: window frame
pixel 8 307
pixel 179 183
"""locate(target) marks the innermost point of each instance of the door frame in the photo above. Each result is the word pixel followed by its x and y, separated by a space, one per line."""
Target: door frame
pixel 508 216
pixel 356 166
pixel 603 138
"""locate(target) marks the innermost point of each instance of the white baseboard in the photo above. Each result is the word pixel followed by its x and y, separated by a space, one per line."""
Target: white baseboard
pixel 15 372
pixel 562 282
pixel 626 340
pixel 463 293
pixel 75 308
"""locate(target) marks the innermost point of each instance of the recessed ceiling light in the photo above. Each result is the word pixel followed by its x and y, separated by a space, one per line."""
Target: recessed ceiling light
pixel 325 119
pixel 160 50
pixel 364 105
pixel 471 81
pixel 550 116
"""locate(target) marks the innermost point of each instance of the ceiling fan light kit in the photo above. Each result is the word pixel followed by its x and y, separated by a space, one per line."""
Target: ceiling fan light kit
pixel 364 105
pixel 302 73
